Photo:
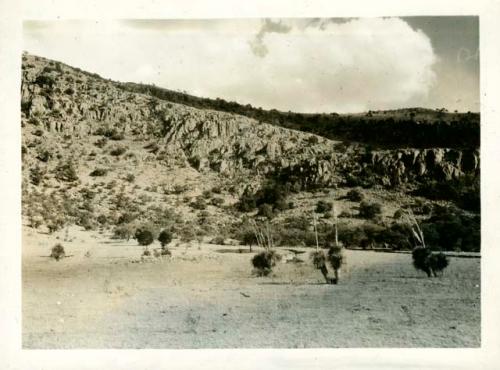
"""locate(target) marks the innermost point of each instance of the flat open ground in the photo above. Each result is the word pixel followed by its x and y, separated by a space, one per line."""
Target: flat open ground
pixel 200 298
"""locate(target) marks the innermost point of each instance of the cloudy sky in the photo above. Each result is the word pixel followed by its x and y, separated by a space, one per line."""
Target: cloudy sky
pixel 302 65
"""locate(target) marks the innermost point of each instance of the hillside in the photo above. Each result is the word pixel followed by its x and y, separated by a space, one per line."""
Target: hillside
pixel 110 156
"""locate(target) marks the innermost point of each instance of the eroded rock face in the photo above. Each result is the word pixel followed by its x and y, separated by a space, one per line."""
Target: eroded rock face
pixel 67 101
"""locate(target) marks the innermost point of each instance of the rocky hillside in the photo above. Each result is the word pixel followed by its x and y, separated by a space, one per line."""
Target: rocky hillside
pixel 80 130
pixel 66 101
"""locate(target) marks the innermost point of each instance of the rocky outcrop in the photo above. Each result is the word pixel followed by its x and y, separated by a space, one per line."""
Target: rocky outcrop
pixel 63 100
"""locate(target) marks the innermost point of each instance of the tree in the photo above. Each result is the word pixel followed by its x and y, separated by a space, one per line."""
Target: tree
pixel 164 238
pixel 144 236
pixel 57 252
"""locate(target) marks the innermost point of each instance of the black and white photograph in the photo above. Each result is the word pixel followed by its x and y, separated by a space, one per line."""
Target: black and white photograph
pixel 271 182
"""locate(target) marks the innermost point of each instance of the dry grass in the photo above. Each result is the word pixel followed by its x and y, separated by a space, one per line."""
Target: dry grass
pixel 107 301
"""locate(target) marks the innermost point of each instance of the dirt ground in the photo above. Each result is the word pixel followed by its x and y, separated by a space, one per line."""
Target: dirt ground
pixel 103 296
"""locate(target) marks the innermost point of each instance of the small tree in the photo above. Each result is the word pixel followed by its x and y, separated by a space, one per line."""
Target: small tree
pixel 57 252
pixel 165 237
pixel 144 237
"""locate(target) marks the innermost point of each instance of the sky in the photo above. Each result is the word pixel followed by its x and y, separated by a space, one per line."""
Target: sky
pixel 343 65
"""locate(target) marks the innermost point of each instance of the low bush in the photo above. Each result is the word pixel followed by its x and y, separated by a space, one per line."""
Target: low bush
pixel 101 143
pixel 217 202
pixel 355 195
pixel 369 210
pixel 98 172
pixel 427 261
pixel 264 262
pixel 266 210
pixel 65 171
pixel 199 204
pixel 323 207
pixel 124 232
pixel 117 151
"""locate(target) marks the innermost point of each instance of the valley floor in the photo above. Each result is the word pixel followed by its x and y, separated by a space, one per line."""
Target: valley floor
pixel 101 297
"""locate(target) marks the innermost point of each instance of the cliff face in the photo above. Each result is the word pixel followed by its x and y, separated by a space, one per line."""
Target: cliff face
pixel 62 101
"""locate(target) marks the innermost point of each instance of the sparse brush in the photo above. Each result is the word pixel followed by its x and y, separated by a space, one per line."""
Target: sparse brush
pixel 146 253
pixel 265 261
pixel 57 252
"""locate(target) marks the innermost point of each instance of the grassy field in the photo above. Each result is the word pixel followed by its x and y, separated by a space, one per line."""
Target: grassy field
pixel 103 296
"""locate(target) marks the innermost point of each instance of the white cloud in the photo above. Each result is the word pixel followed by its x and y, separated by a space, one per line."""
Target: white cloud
pixel 360 64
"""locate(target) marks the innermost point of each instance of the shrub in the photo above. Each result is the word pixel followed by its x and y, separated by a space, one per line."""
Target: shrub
pixel 247 203
pixel 398 214
pixel 65 171
pixel 165 252
pixel 217 202
pixel 118 151
pixel 45 80
pixel 199 204
pixel 322 206
pixel 450 229
pixel 247 237
pixel 36 175
pixel 266 210
pixel 123 232
pixel 272 193
pixel 355 195
pixel 165 237
pixel 44 155
pixel 57 252
pixel 98 172
pixel 369 210
pixel 130 177
pixel 38 132
pixel 335 257
pixel 318 259
pixel 101 143
pixel 144 236
pixel 431 263
pixel 218 240
pixel 265 261
pixel 465 192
